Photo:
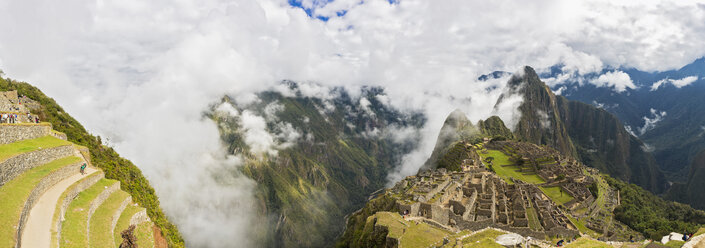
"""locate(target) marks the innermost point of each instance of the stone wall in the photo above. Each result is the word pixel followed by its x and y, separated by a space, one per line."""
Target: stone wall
pixel 66 199
pixel 10 133
pixel 99 199
pixel 440 214
pixel 44 184
pixel 17 165
pixel 412 208
pixel 139 217
pixel 117 214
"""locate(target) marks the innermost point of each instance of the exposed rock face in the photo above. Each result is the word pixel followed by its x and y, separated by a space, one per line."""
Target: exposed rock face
pixel 603 143
pixel 540 122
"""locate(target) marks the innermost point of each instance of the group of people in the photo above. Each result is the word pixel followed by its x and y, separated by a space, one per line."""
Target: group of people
pixel 687 236
pixel 8 118
pixel 13 118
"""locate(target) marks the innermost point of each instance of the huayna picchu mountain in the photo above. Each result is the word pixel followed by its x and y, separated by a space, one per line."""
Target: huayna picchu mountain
pixel 593 135
pixel 488 190
pixel 60 187
pixel 329 154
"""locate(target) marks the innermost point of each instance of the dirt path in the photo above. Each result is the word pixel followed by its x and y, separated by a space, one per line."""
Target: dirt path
pixel 37 232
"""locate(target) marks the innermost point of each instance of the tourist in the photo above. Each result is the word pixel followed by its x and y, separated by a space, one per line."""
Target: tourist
pixel 36 118
pixel 83 168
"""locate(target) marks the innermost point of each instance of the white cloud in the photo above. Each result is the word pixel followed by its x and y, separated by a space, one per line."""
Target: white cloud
pixel 650 122
pixel 543 119
pixel 678 83
pixel 256 135
pixel 619 80
pixel 141 73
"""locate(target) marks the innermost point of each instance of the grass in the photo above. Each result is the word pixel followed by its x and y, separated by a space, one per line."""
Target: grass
pixel 144 235
pixel 124 222
pixel 580 224
pixel 483 239
pixel 675 243
pixel 533 218
pixel 10 150
pixel 102 219
pixel 74 232
pixel 587 243
pixel 410 234
pixel 557 194
pixel 15 192
pixel 700 231
pixel 500 166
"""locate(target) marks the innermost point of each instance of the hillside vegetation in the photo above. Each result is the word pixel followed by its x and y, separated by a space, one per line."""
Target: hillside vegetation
pixel 652 215
pixel 114 166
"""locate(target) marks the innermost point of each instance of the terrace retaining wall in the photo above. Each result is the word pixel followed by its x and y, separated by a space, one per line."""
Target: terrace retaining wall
pixel 10 133
pixel 14 166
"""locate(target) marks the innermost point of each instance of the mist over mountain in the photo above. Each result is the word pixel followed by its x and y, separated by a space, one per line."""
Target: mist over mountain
pixel 316 159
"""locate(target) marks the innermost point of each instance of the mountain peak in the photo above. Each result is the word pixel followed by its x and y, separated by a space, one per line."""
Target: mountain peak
pixel 526 74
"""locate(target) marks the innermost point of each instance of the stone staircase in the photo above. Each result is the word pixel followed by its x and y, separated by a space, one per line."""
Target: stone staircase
pixel 46 202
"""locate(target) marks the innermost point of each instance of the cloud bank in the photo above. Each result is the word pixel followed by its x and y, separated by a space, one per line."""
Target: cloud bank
pixel 141 73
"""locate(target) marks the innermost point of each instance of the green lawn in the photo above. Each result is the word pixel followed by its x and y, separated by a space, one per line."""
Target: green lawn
pixel 74 232
pixel 506 172
pixel 102 219
pixel 483 239
pixel 409 233
pixel 124 222
pixel 12 149
pixel 587 243
pixel 700 231
pixel 557 194
pixel 15 192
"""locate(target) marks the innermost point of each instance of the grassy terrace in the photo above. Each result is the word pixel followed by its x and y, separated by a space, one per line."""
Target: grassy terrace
pixel 580 224
pixel 144 235
pixel 533 218
pixel 557 194
pixel 483 239
pixel 102 219
pixel 124 222
pixel 15 192
pixel 504 168
pixel 74 232
pixel 10 150
pixel 409 233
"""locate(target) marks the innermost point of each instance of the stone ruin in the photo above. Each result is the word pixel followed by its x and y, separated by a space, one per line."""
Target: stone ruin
pixel 476 199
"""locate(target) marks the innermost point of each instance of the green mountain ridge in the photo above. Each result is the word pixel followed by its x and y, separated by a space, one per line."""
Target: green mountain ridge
pixel 343 154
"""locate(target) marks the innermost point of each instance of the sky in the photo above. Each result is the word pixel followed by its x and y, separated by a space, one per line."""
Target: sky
pixel 141 73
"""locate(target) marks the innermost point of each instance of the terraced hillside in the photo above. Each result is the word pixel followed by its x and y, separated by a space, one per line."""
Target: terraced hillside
pixel 48 202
